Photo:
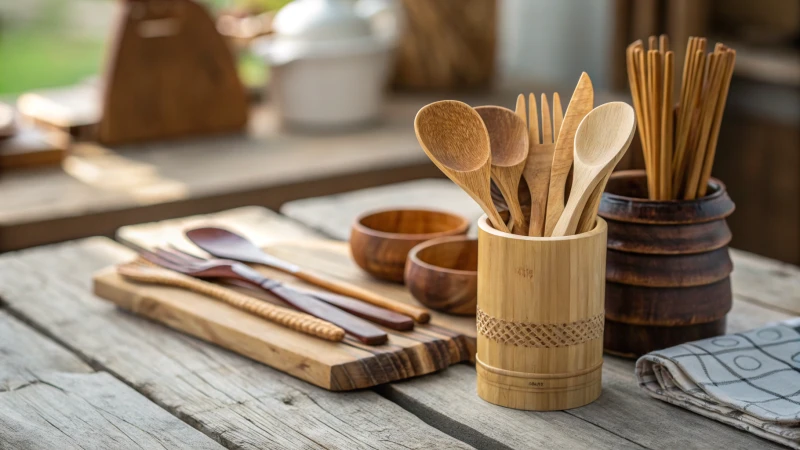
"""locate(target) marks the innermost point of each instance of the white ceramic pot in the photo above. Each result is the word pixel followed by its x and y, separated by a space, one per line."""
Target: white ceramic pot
pixel 328 65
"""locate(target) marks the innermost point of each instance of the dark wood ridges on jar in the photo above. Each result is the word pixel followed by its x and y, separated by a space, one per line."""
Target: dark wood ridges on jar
pixel 632 341
pixel 667 267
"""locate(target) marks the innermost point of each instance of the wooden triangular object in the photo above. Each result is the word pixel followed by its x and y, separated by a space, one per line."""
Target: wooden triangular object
pixel 169 74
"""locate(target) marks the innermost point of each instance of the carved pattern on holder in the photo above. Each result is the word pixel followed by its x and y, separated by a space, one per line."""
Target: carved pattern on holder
pixel 546 335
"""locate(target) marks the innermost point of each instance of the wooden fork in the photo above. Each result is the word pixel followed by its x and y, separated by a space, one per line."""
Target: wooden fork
pixel 221 268
pixel 540 155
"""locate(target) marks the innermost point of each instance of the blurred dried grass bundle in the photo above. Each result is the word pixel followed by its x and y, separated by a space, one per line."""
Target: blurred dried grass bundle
pixel 448 45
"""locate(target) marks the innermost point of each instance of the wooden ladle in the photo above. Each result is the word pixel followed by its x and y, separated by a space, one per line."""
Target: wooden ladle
pixel 454 137
pixel 508 138
pixel 600 142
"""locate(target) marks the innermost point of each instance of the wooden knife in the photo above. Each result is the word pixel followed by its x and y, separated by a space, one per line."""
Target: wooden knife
pixel 579 106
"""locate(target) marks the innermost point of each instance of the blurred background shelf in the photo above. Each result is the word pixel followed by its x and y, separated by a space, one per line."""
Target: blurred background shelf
pixel 481 51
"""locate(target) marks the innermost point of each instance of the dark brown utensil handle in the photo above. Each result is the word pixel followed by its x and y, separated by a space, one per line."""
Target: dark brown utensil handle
pixel 421 315
pixel 376 314
pixel 360 329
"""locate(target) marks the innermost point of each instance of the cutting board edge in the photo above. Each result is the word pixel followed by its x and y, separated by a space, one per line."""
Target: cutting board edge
pixel 346 376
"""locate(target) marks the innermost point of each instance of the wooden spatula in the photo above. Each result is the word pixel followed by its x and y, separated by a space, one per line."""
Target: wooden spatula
pixel 579 106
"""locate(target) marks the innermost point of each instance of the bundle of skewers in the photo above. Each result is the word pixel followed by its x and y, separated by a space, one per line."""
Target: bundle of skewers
pixel 679 140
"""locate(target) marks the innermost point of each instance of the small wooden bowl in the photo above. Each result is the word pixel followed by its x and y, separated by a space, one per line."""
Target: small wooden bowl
pixel 442 274
pixel 380 241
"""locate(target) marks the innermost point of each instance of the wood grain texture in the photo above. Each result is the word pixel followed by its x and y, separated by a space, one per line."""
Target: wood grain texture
pixel 380 240
pixel 621 408
pixel 192 86
pixel 672 286
pixel 455 138
pixel 283 316
pixel 49 398
pixel 442 274
pixel 335 366
pixel 235 401
pixel 272 231
pixel 533 284
pixel 580 104
pixel 275 410
pixel 508 139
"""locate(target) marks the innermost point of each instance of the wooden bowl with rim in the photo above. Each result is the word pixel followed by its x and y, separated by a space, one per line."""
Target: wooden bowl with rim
pixel 380 240
pixel 442 274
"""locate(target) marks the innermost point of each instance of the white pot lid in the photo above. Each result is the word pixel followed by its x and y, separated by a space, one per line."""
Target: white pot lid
pixel 309 21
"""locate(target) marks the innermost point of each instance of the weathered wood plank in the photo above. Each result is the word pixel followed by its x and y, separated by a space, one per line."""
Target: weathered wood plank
pixel 448 401
pixel 771 283
pixel 239 403
pixel 49 398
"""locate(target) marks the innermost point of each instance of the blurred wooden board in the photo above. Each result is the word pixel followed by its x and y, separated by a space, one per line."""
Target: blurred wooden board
pixel 73 109
pixel 169 74
pixel 32 146
pixel 336 366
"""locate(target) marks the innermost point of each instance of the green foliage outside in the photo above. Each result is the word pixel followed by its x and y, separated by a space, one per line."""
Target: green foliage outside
pixel 44 51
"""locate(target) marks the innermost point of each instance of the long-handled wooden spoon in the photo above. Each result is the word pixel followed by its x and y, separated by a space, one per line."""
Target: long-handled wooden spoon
pixel 600 142
pixel 454 137
pixel 508 138
pixel 229 245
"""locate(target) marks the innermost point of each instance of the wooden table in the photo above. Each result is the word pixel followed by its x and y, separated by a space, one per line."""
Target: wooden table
pixel 76 372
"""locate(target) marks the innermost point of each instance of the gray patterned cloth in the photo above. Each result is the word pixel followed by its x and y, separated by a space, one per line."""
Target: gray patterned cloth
pixel 749 380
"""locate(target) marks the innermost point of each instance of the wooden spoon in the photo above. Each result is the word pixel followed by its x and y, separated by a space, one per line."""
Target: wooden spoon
pixel 600 142
pixel 508 138
pixel 454 137
pixel 229 245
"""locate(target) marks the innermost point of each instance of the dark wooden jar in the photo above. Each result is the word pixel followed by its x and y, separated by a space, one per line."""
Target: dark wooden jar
pixel 668 267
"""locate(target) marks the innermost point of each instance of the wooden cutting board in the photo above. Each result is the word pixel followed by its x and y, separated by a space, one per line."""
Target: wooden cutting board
pixel 340 366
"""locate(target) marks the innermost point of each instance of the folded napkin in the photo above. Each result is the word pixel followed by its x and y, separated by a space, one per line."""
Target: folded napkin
pixel 749 380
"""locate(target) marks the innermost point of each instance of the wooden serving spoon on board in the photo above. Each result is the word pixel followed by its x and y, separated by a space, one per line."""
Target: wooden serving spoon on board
pixel 454 137
pixel 601 141
pixel 508 138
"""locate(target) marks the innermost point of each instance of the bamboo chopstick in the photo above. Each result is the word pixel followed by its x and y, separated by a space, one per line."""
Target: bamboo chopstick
pixel 667 118
pixel 678 141
pixel 712 143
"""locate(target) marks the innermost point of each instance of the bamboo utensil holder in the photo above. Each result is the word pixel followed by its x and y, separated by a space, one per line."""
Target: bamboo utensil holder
pixel 668 278
pixel 540 318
